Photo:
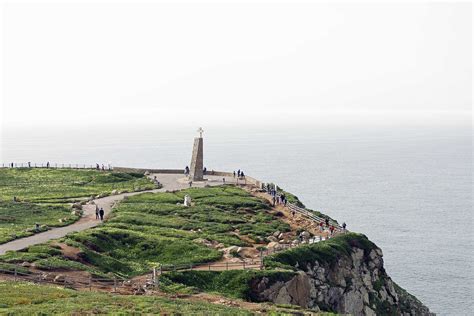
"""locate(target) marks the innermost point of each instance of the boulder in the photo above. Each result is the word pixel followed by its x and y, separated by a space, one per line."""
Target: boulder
pixel 272 239
pixel 59 278
pixel 114 192
pixel 277 233
pixel 273 244
pixel 77 206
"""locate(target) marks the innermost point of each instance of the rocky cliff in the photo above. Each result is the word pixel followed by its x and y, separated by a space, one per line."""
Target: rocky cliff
pixel 343 275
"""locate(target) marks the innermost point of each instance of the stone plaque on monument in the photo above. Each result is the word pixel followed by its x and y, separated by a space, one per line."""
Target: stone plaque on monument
pixel 197 162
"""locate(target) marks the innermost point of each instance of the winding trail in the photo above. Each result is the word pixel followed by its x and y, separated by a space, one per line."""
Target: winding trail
pixel 170 182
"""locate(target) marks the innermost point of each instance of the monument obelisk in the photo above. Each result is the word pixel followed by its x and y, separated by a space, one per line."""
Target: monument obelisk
pixel 196 172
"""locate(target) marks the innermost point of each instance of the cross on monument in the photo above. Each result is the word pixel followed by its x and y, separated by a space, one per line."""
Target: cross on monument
pixel 200 131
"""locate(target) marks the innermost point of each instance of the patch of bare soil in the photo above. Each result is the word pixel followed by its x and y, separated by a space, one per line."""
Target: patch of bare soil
pixel 69 251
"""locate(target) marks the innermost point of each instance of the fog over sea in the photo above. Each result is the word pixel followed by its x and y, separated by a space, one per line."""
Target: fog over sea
pixel 408 189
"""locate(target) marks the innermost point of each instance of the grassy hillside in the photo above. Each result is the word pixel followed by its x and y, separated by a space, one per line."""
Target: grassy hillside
pixel 65 185
pixel 149 229
pixel 21 298
pixel 44 195
pixel 327 251
pixel 235 283
pixel 18 219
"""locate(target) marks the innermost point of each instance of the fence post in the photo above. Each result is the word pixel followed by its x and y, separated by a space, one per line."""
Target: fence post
pixel 115 284
pixel 155 280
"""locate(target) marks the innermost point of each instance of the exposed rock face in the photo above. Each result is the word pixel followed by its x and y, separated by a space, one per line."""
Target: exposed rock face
pixel 354 284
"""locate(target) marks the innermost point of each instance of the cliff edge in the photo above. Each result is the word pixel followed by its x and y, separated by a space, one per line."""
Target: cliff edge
pixel 343 275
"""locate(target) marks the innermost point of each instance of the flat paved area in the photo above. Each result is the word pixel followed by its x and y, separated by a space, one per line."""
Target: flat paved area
pixel 170 182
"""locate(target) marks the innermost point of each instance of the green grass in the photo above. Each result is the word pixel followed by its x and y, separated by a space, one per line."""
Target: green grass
pixel 234 283
pixel 324 252
pixel 21 298
pixel 18 220
pixel 44 195
pixel 153 229
pixel 65 185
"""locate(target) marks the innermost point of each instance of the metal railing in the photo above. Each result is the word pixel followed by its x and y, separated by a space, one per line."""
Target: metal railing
pixel 55 165
pixel 305 212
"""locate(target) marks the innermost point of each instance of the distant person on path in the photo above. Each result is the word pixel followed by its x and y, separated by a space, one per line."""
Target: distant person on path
pixel 327 222
pixel 47 164
pixel 321 228
pixel 234 173
pixel 12 164
pixel 223 180
pixel 344 227
pixel 331 230
pixel 238 172
pixel 101 214
pixel 204 170
pixel 97 212
pixel 190 183
pixel 97 166
pixel 15 199
pixel 293 213
pixel 186 170
pixel 29 164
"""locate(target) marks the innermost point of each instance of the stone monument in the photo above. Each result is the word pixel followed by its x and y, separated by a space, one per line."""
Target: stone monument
pixel 197 162
pixel 187 200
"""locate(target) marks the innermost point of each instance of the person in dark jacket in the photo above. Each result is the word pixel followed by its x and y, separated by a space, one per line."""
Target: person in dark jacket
pixel 101 214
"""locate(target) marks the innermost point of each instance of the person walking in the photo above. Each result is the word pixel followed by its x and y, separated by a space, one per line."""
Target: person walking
pixel 97 212
pixel 223 180
pixel 234 173
pixel 190 183
pixel 344 227
pixel 327 222
pixel 101 214
pixel 321 228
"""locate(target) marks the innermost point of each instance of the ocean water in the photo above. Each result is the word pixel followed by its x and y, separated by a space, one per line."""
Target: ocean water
pixel 408 190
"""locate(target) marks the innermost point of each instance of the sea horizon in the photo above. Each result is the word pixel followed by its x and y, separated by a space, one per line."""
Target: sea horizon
pixel 402 187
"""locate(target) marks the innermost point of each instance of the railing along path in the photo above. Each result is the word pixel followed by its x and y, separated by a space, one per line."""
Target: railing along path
pixel 17 272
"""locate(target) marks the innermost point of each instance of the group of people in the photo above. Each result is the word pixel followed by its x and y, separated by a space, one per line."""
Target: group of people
pixel 280 198
pixel 239 174
pixel 98 167
pixel 99 213
pixel 186 170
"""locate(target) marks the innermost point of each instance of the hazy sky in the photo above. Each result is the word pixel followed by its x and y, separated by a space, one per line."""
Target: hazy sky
pixel 228 63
